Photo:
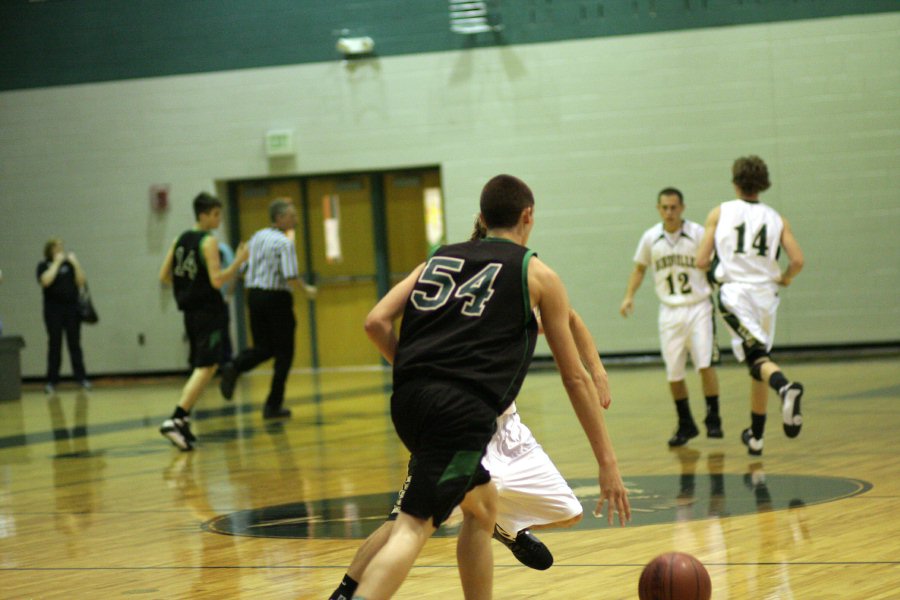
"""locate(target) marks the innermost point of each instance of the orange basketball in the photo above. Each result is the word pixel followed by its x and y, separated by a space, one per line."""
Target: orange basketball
pixel 674 576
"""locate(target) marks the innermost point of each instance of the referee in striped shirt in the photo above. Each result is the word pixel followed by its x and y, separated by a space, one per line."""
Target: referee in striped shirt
pixel 271 274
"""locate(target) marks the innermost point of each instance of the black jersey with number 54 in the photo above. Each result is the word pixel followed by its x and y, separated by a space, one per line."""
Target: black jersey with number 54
pixel 468 321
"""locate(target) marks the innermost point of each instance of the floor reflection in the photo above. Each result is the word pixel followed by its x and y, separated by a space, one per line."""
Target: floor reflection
pixel 77 470
pixel 695 494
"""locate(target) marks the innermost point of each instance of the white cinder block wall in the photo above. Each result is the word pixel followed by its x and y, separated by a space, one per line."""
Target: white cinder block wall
pixel 596 127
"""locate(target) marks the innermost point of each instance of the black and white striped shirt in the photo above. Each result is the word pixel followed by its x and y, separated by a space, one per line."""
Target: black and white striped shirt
pixel 272 262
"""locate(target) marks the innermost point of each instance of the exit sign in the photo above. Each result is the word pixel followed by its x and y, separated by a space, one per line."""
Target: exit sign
pixel 280 142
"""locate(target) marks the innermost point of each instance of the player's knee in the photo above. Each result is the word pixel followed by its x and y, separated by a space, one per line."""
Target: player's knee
pixel 480 503
pixel 571 522
pixel 756 367
pixel 756 355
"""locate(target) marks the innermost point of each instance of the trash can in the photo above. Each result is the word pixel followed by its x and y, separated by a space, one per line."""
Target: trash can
pixel 11 367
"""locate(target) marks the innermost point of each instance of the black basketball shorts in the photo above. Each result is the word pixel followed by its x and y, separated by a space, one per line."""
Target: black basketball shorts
pixel 446 430
pixel 205 329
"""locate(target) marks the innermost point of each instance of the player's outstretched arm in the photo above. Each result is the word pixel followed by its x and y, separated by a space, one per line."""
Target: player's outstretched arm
pixel 587 351
pixel 380 320
pixel 549 295
pixel 708 242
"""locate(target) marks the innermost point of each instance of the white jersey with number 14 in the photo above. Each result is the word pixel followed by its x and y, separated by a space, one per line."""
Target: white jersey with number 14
pixel 747 237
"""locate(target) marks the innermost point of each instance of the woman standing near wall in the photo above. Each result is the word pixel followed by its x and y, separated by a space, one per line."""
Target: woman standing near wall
pixel 60 275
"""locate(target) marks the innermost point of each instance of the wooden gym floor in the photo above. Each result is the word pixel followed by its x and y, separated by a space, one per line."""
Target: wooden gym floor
pixel 95 503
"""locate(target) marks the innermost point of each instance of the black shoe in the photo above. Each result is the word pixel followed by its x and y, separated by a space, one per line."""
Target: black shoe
pixel 173 430
pixel 186 430
pixel 754 446
pixel 276 413
pixel 228 380
pixel 713 426
pixel 527 549
pixel 683 434
pixel 790 409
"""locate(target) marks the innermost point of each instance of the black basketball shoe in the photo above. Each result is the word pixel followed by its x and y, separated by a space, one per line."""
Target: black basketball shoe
pixel 685 432
pixel 713 426
pixel 527 549
pixel 174 431
pixel 790 408
pixel 754 446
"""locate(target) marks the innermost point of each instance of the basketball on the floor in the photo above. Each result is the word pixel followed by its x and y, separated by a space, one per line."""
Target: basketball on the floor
pixel 674 576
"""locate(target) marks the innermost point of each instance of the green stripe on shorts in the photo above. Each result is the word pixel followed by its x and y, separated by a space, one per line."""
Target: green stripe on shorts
pixel 463 464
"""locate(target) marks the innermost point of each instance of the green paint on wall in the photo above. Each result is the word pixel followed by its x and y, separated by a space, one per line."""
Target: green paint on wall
pixel 63 42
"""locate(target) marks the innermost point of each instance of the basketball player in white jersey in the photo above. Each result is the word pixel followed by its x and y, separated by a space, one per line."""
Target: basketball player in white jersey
pixel 686 315
pixel 740 248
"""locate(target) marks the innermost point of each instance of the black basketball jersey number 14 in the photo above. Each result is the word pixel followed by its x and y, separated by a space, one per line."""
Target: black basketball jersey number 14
pixel 190 280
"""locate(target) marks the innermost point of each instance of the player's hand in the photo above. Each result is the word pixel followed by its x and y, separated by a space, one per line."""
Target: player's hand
pixel 601 382
pixel 614 495
pixel 627 307
pixel 784 281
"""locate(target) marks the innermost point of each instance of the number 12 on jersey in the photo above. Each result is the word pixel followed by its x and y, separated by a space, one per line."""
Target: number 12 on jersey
pixel 685 281
pixel 439 272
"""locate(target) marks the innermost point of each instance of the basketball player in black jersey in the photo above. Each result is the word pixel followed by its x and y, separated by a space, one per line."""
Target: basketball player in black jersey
pixel 468 336
pixel 192 267
pixel 545 499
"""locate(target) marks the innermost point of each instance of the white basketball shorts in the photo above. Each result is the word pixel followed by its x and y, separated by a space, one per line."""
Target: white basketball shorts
pixel 531 489
pixel 749 313
pixel 689 328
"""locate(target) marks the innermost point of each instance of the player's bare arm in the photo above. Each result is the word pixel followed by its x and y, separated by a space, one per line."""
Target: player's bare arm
pixel 380 320
pixel 634 282
pixel 795 254
pixel 705 249
pixel 549 295
pixel 217 275
pixel 587 351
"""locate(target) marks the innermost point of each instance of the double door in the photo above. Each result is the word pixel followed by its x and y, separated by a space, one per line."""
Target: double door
pixel 357 234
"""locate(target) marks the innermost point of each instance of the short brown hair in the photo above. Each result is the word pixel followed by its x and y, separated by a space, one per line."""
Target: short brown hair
pixel 503 199
pixel 48 247
pixel 204 203
pixel 750 174
pixel 670 191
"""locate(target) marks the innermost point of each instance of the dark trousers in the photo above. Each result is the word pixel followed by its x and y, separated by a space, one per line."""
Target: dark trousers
pixel 227 348
pixel 59 319
pixel 272 324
